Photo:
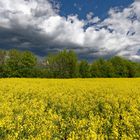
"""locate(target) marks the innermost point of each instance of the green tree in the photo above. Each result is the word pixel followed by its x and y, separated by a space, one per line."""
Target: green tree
pixel 102 68
pixel 137 66
pixel 132 69
pixel 62 65
pixel 84 69
pixel 123 67
pixel 20 64
pixel 28 63
pixel 13 63
pixel 2 62
pixel 108 69
pixel 97 68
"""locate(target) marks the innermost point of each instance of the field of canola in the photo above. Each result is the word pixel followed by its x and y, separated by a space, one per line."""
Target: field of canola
pixel 74 109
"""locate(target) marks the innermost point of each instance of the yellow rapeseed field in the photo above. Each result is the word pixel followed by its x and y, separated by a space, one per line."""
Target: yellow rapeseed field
pixel 74 109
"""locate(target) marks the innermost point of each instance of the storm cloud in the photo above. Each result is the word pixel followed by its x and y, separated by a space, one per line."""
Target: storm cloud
pixel 36 25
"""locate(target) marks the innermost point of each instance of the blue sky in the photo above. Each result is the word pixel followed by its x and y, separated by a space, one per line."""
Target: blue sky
pixel 91 28
pixel 98 7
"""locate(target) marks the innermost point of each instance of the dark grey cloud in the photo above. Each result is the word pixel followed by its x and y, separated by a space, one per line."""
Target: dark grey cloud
pixel 37 26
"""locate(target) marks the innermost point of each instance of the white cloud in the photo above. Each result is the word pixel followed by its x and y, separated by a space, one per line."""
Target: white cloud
pixel 91 19
pixel 25 12
pixel 38 24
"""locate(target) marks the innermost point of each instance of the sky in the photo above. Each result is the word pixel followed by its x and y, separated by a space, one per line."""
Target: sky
pixel 92 28
pixel 100 8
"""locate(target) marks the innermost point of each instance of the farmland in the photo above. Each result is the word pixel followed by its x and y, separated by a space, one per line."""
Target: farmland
pixel 72 109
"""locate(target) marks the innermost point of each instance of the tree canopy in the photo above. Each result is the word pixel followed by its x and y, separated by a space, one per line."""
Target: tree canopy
pixel 64 64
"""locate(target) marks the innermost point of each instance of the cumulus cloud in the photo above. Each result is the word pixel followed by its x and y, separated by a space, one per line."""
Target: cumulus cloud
pixel 36 25
pixel 91 18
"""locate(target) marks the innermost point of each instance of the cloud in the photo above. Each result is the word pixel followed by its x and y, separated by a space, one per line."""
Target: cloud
pixel 91 19
pixel 36 25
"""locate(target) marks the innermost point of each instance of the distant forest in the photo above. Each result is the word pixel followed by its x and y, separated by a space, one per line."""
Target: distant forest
pixel 65 64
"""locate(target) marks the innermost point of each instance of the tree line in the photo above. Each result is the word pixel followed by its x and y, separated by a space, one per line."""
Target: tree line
pixel 65 64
